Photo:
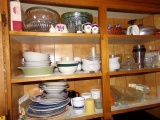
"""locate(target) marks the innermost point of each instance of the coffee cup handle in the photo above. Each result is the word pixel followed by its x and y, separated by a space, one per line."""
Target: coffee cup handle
pixel 71 102
pixel 78 94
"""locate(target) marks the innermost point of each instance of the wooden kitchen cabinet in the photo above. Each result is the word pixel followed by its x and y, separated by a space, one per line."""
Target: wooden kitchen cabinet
pixel 79 45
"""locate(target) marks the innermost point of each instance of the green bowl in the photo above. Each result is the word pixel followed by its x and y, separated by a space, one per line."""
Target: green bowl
pixel 37 71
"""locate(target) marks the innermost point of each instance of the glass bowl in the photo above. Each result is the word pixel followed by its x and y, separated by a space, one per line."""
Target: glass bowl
pixel 40 19
pixel 76 17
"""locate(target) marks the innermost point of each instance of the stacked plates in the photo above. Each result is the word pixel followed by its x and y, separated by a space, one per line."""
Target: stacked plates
pixel 53 102
pixel 36 59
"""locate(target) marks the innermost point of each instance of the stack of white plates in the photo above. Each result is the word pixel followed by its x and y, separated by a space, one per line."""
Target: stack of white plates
pixel 36 59
pixel 52 102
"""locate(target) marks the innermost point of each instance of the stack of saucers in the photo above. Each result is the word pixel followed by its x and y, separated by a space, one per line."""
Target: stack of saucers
pixel 53 102
pixel 34 59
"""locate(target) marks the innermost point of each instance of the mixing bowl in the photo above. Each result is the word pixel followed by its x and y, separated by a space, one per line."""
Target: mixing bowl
pixel 37 71
pixel 40 19
pixel 67 67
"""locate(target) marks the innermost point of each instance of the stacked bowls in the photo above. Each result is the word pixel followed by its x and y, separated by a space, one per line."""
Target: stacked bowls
pixel 36 64
pixel 53 102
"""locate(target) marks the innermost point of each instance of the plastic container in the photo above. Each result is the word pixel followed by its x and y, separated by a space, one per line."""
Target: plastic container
pixel 126 95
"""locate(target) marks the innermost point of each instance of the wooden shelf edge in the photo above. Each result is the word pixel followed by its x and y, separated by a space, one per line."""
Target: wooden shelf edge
pixel 87 117
pixel 22 79
pixel 129 72
pixel 26 33
pixel 135 108
pixel 132 36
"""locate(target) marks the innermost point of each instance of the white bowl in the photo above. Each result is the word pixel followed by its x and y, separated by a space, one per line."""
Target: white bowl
pixel 67 67
pixel 62 83
pixel 37 63
pixel 35 56
pixel 57 90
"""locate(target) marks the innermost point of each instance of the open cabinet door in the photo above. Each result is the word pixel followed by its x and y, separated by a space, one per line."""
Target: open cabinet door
pixel 3 94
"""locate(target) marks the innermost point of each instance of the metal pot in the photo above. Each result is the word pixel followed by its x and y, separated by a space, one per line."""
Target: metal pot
pixel 147 30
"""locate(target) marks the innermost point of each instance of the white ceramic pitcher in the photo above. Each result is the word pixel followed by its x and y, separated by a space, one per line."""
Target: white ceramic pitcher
pixel 114 63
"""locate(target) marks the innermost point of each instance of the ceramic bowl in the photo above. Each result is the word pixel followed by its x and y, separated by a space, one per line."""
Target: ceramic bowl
pixel 35 56
pixel 37 71
pixel 67 67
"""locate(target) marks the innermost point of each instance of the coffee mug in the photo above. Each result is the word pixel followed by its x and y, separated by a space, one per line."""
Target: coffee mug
pixel 98 103
pixel 95 29
pixel 61 28
pixel 90 106
pixel 95 93
pixel 87 27
pixel 72 94
pixel 78 104
pixel 86 95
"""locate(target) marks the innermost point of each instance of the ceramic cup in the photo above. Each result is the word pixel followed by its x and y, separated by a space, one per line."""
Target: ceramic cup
pixel 98 103
pixel 87 27
pixel 78 104
pixel 86 95
pixel 61 28
pixel 90 107
pixel 95 93
pixel 95 29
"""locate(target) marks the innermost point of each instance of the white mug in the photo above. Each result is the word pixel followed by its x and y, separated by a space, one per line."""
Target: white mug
pixel 61 28
pixel 96 93
pixel 78 104
pixel 86 95
pixel 95 29
pixel 87 27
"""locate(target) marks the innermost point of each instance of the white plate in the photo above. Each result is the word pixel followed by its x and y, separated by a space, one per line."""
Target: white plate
pixel 49 109
pixel 55 83
pixel 39 99
pixel 53 90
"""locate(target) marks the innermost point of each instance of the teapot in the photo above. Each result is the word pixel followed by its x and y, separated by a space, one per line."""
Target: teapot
pixel 91 66
pixel 114 63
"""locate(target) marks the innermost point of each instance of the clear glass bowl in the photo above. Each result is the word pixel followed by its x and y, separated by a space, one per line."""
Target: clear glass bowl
pixel 40 19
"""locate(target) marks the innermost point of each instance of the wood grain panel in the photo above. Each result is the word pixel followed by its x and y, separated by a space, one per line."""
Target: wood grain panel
pixel 63 50
pixel 16 57
pixel 150 80
pixel 139 79
pixel 148 21
pixel 86 85
pixel 83 50
pixel 156 21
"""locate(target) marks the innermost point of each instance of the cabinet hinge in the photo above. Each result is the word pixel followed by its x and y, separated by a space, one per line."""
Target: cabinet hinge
pixel 4 19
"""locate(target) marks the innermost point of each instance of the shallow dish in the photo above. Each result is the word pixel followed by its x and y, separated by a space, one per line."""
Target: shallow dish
pixel 52 90
pixel 55 83
pixel 37 71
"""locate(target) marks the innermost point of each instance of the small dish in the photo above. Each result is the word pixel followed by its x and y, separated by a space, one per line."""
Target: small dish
pixel 55 83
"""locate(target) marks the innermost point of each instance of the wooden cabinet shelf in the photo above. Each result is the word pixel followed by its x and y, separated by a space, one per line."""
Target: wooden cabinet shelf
pixel 136 71
pixel 138 106
pixel 54 38
pixel 56 76
pixel 131 39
